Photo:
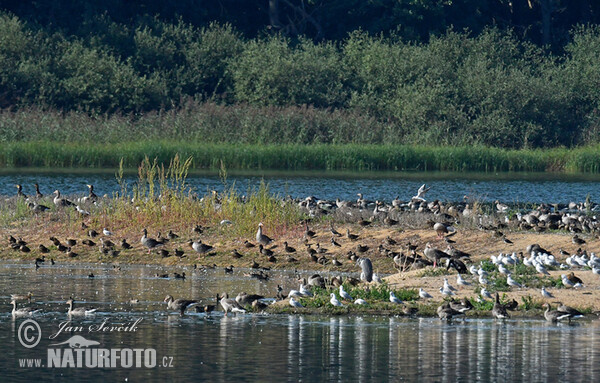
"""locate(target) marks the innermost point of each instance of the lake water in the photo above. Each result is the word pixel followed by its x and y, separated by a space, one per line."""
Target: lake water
pixel 507 187
pixel 274 348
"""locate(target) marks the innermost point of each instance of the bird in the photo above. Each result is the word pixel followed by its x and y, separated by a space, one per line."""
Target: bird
pixel 433 254
pixel 344 294
pixel 148 242
pixel 304 290
pixel 442 229
pixel 179 276
pixel 394 299
pixel 445 312
pixel 125 245
pixel 288 248
pixel 22 297
pixel 334 231
pixel 262 238
pixel 25 311
pixel 179 304
pixel 566 281
pixel 230 304
pixel 308 233
pixel 420 197
pixel 247 299
pixel 554 315
pixel 424 294
pixel 448 286
pixel 106 232
pixel 20 193
pixel 367 269
pixel 501 207
pixel 499 311
pixel 485 293
pixel 546 294
pixel 200 247
pixel 295 303
pixel 335 243
pixel 574 313
pixel 512 282
pixel 61 202
pixel 460 281
pixel 574 279
pixel 78 310
pixel 334 301
pixel 360 301
pixel 38 194
pixel 350 236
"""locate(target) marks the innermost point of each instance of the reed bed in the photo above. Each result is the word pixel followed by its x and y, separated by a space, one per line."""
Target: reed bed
pixel 347 157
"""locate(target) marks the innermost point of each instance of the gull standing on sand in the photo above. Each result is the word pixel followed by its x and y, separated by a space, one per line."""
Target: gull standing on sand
pixel 424 294
pixel 447 285
pixel 334 301
pixel 460 281
pixel 566 281
pixel 546 294
pixel 446 292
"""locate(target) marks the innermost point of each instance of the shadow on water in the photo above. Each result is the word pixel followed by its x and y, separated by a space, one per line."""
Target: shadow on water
pixel 258 347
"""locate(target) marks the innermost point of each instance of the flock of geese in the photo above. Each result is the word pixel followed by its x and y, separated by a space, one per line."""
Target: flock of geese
pixel 444 216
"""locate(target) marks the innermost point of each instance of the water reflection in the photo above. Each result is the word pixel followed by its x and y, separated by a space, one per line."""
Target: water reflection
pixel 510 187
pixel 278 348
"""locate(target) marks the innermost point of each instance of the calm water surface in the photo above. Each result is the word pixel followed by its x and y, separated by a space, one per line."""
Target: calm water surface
pixel 257 347
pixel 508 187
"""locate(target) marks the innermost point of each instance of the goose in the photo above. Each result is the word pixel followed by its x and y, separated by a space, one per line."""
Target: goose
pixel 150 243
pixel 61 202
pixel 554 315
pixel 334 301
pixel 200 247
pixel 499 311
pixel 78 310
pixel 394 299
pixel 288 248
pixel 229 304
pixel 91 197
pixel 25 311
pixel 179 304
pixel 434 254
pixel 344 294
pixel 37 208
pixel 295 303
pixel 309 233
pixel 569 310
pixel 247 299
pixel 442 229
pixel 350 236
pixel 20 193
pixel 22 297
pixel 445 312
pixel 262 238
pixel 38 194
pixel 457 265
pixel 334 231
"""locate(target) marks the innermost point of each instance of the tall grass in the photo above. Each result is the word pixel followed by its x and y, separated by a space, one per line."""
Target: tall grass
pixel 352 157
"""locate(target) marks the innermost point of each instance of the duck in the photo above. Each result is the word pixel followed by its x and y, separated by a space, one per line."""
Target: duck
pixel 554 315
pixel 78 310
pixel 25 311
pixel 61 202
pixel 125 245
pixel 179 304
pixel 150 243
pixel 445 312
pixel 499 311
pixel 179 276
pixel 261 238
pixel 229 304
pixel 264 251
